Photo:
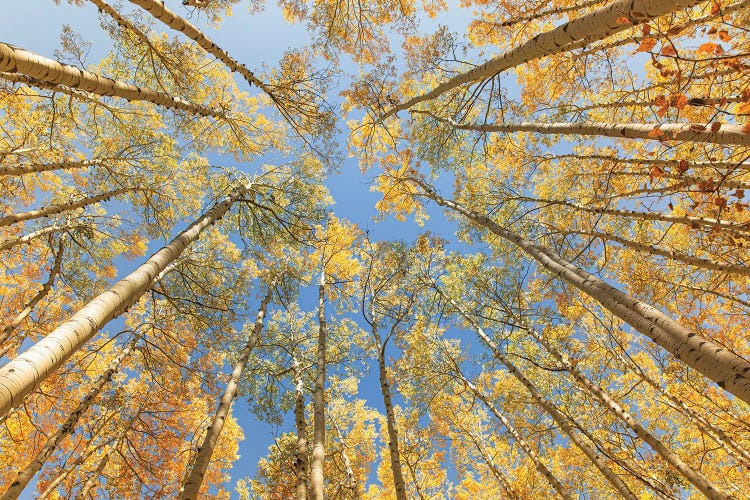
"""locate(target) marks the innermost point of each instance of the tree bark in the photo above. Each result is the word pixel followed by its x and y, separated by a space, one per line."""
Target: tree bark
pixel 319 422
pixel 23 240
pixel 725 368
pixel 58 209
pixel 31 304
pixel 92 481
pixel 393 447
pixel 689 132
pixel 24 374
pixel 67 428
pixel 46 167
pixel 525 446
pixel 567 425
pixel 192 484
pixel 601 23
pixel 17 60
pixel 301 462
pixel 695 477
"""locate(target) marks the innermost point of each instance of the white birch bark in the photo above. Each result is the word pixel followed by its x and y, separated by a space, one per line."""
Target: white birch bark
pixel 319 423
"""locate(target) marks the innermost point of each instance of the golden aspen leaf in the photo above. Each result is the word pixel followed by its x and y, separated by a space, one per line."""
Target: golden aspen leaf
pixel 647 44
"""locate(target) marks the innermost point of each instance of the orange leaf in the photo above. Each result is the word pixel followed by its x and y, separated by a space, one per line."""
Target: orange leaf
pixel 656 133
pixel 680 101
pixel 715 7
pixel 657 171
pixel 697 127
pixel 646 45
pixel 715 126
pixel 646 30
pixel 710 48
pixel 683 166
pixel 668 50
pixel 622 20
pixel 746 128
pixel 724 36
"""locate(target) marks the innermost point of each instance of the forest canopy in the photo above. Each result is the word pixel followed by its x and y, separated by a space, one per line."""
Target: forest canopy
pixel 468 250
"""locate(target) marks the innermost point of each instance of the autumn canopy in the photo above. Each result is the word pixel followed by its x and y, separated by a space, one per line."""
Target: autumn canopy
pixel 469 249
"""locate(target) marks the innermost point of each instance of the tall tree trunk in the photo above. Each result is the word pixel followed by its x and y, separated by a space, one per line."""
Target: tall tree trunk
pixel 525 446
pixel 17 60
pixel 301 462
pixel 695 477
pixel 191 487
pixel 31 304
pixel 730 165
pixel 23 240
pixel 319 418
pixel 93 479
pixel 351 480
pixel 599 24
pixel 699 262
pixel 24 374
pixel 65 207
pixel 46 167
pixel 160 11
pixel 385 389
pixel 689 132
pixel 727 443
pixel 731 226
pixel 725 368
pixel 68 427
pixel 567 424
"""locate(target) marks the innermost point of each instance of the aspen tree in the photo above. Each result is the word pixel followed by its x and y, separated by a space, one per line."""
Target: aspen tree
pixel 15 59
pixel 192 484
pixel 601 23
pixel 27 371
pixel 725 368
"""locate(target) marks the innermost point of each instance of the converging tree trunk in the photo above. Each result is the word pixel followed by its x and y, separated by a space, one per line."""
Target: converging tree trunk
pixel 319 418
pixel 24 374
pixel 191 487
pixel 65 207
pixel 725 368
pixel 68 427
pixel 301 468
pixel 601 23
pixel 17 60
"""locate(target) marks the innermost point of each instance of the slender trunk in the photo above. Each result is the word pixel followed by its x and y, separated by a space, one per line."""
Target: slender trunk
pixel 696 21
pixel 728 444
pixel 191 486
pixel 58 209
pixel 17 60
pixel 597 25
pixel 567 425
pixel 695 477
pixel 160 11
pixel 351 480
pixel 689 132
pixel 699 262
pixel 319 422
pixel 525 446
pixel 496 472
pixel 31 304
pixel 46 167
pixel 67 471
pixel 729 165
pixel 67 428
pixel 300 464
pixel 693 101
pixel 633 214
pixel 393 447
pixel 725 368
pixel 24 374
pixel 93 479
pixel 23 240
